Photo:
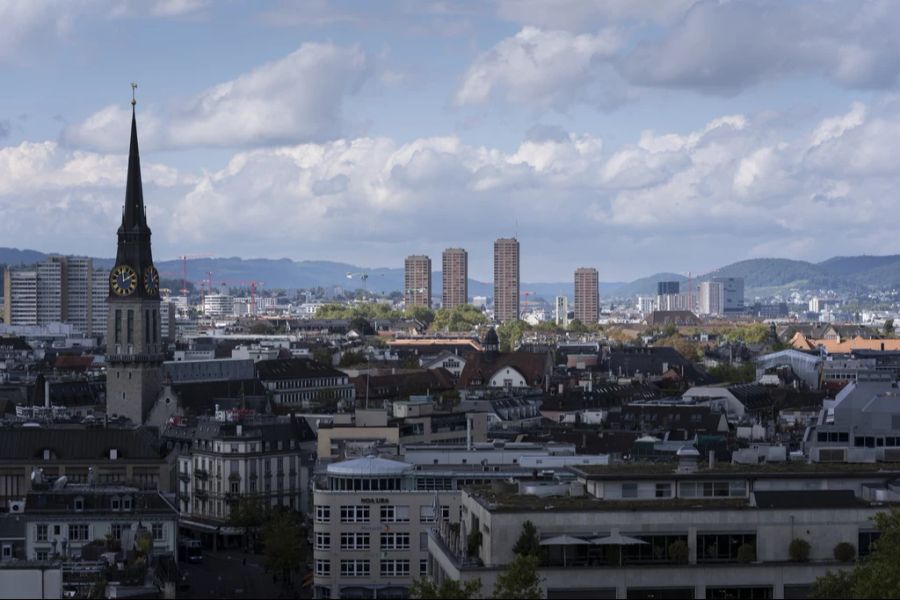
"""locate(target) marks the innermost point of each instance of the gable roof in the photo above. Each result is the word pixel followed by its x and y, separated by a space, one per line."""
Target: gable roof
pixel 481 366
pixel 78 443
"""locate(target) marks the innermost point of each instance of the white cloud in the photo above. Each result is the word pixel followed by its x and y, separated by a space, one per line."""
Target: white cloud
pixel 297 98
pixel 738 186
pixel 536 67
pixel 585 15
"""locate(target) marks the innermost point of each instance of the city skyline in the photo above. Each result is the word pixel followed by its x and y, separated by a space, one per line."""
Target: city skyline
pixel 609 131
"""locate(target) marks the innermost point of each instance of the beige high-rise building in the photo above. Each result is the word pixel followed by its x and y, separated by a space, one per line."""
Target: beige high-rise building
pixel 417 281
pixel 455 277
pixel 587 295
pixel 506 279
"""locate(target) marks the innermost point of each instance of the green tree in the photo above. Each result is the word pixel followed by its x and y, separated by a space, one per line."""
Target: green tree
pixel 834 584
pixel 248 514
pixel 878 575
pixel 349 359
pixel 284 538
pixel 322 356
pixel 576 326
pixel 742 373
pixel 519 579
pixel 426 589
pixel 889 327
pixel 529 543
pixel 682 345
pixel 510 334
pixel 420 313
pixel 464 317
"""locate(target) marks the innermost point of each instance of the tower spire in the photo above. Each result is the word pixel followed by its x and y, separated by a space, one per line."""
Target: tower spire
pixel 134 194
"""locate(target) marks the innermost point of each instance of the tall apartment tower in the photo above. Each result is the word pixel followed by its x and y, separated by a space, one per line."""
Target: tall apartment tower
pixel 133 342
pixel 455 277
pixel 562 311
pixel 711 298
pixel 20 293
pixel 417 281
pixel 506 279
pixel 587 295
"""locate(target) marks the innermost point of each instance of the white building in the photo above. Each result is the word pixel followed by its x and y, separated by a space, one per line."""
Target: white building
pixel 712 298
pixel 562 311
pixel 218 305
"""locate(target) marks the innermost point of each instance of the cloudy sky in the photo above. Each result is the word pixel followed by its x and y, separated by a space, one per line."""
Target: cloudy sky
pixel 636 136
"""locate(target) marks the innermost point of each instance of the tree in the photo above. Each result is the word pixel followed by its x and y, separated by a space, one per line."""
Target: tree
pixel 576 326
pixel 284 537
pixel 426 589
pixel 682 345
pixel 528 543
pixel 322 356
pixel 799 550
pixel 834 584
pixel 742 373
pixel 349 359
pixel 422 314
pixel 519 579
pixel 463 317
pixel 248 514
pixel 889 327
pixel 510 334
pixel 878 576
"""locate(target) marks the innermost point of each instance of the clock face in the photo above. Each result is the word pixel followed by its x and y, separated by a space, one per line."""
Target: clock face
pixel 151 280
pixel 123 280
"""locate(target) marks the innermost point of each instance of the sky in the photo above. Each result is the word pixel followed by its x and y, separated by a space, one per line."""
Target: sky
pixel 634 136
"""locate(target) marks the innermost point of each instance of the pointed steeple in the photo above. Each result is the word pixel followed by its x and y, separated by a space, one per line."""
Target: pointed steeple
pixel 134 215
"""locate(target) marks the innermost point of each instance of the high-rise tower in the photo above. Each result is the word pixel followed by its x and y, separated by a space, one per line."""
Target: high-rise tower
pixel 417 279
pixel 455 276
pixel 587 295
pixel 506 279
pixel 134 345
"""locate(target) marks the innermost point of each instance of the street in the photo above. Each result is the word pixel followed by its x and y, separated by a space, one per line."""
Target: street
pixel 225 574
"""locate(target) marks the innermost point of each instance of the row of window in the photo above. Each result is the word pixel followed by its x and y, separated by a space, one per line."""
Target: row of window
pixel 361 513
pixel 398 567
pixel 81 532
pixel 692 489
pixel 876 442
pixel 361 541
pixel 296 384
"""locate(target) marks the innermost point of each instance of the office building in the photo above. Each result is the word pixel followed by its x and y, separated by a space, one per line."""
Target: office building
pixel 689 532
pixel 217 306
pixel 134 350
pixel 666 288
pixel 587 295
pixel 305 383
pixel 60 289
pixel 711 299
pixel 417 281
pixel 733 293
pixel 562 311
pixel 455 277
pixel 506 279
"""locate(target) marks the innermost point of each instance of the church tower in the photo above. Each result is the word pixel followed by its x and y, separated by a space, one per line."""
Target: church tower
pixel 134 348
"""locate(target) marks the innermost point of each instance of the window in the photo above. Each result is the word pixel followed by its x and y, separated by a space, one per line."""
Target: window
pixel 130 329
pixel 866 538
pixel 713 489
pixel 41 533
pixel 116 529
pixel 41 555
pixel 629 490
pixel 354 568
pixel 323 540
pixel 395 568
pixel 395 541
pixel 78 533
pixel 395 514
pixel 118 326
pixel 663 490
pixel 354 541
pixel 126 503
pixel 115 503
pixel 323 567
pixel 426 513
pixel 354 514
pixel 423 567
pixel 657 549
pixel 722 547
pixel 159 533
pixel 79 504
pixel 323 514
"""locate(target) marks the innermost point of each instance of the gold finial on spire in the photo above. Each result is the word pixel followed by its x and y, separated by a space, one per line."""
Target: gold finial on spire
pixel 133 87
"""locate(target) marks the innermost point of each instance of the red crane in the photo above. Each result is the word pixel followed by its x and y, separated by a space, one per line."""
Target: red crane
pixel 184 259
pixel 252 284
pixel 525 304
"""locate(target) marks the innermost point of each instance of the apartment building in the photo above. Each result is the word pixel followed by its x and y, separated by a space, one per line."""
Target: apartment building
pixel 220 463
pixel 417 281
pixel 304 383
pixel 506 279
pixel 455 277
pixel 62 518
pixel 587 295
pixel 711 300
pixel 733 294
pixel 561 315
pixel 632 531
pixel 217 306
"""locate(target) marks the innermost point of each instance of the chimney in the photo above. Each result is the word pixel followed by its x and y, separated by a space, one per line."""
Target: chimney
pixel 47 393
pixel 712 459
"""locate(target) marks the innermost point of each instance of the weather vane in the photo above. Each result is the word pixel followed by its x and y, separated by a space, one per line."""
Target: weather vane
pixel 133 87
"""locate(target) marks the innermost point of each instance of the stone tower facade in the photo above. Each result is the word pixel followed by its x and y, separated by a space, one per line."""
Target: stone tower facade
pixel 134 351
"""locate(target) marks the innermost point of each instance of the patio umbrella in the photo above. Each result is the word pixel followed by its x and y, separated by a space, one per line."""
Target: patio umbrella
pixel 564 540
pixel 619 540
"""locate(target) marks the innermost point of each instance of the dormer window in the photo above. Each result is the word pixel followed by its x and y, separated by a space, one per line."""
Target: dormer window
pixel 126 503
pixel 113 453
pixel 47 454
pixel 115 503
pixel 79 504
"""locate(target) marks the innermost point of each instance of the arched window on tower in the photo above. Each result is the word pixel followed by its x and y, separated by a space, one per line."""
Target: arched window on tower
pixel 155 327
pixel 118 326
pixel 130 329
pixel 147 339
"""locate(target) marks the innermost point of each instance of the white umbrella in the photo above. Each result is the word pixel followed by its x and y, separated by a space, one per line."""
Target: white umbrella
pixel 617 539
pixel 564 540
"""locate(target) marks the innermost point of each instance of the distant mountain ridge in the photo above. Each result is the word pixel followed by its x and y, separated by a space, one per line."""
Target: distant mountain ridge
pixel 841 273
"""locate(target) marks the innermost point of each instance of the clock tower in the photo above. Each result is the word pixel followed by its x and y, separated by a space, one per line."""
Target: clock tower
pixel 134 347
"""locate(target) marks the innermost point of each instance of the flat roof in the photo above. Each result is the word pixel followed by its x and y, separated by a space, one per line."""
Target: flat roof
pixel 728 470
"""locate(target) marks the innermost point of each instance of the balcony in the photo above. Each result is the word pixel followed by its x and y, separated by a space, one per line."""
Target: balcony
pixel 234 477
pixel 201 494
pixel 184 477
pixel 201 474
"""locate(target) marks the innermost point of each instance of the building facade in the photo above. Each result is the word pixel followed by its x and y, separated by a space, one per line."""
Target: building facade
pixel 561 314
pixel 711 299
pixel 587 295
pixel 455 277
pixel 733 293
pixel 506 279
pixel 134 348
pixel 417 281
pixel 304 383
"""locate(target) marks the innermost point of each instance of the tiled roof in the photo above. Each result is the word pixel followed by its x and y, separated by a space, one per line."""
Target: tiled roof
pixel 78 443
pixel 294 368
pixel 481 366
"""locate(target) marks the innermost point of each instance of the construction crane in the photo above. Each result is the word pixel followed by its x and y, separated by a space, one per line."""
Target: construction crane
pixel 252 284
pixel 525 304
pixel 184 259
